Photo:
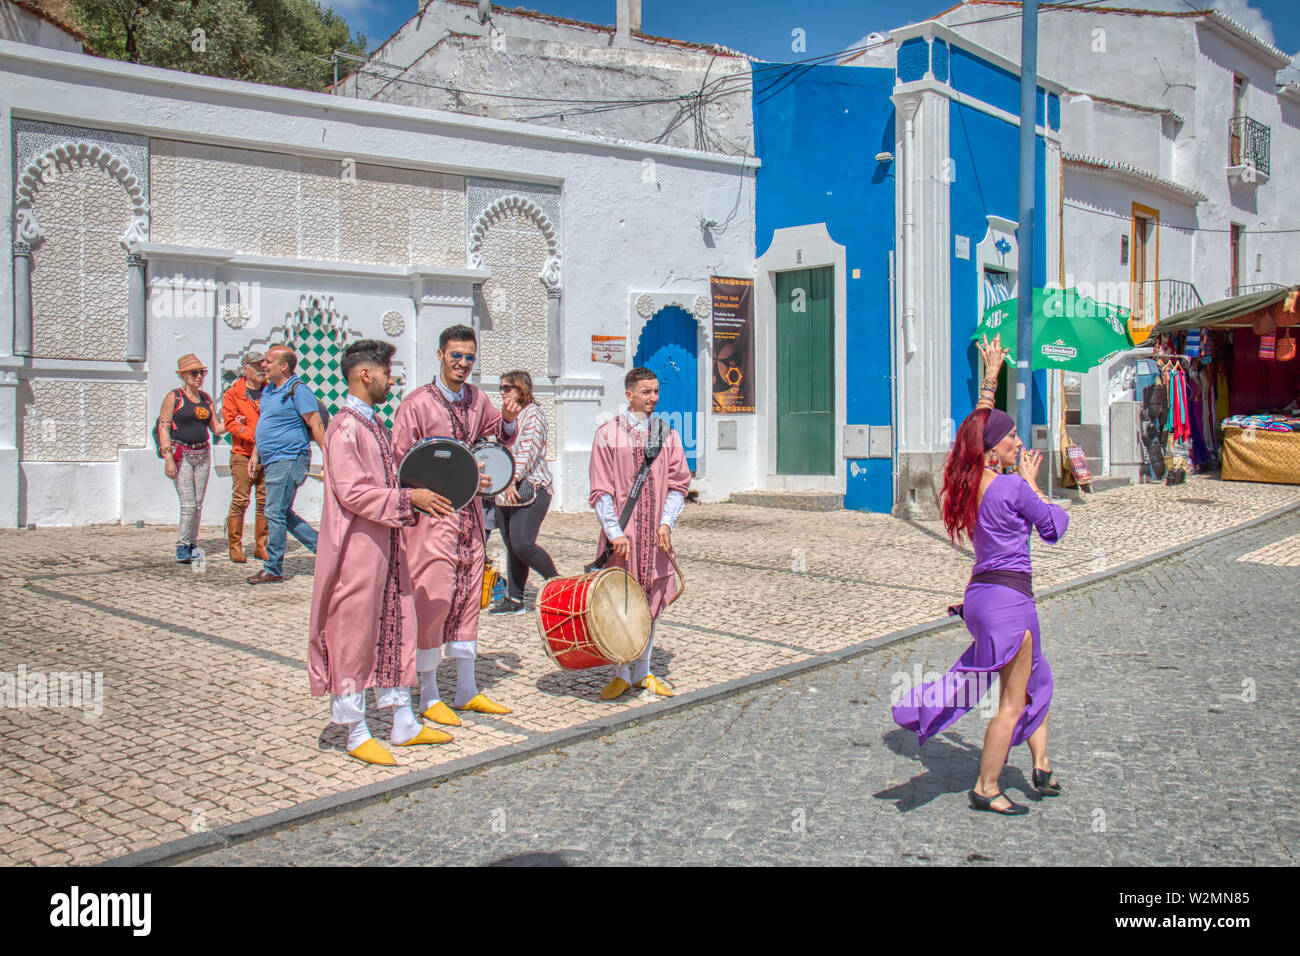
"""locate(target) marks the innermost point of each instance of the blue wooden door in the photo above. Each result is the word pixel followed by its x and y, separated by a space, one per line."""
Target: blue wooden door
pixel 668 347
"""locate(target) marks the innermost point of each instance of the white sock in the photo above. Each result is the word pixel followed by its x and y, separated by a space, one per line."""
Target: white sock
pixel 358 734
pixel 641 666
pixel 466 688
pixel 426 664
pixel 428 690
pixel 624 672
pixel 405 725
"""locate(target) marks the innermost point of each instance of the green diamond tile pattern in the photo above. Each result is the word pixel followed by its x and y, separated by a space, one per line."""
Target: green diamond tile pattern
pixel 319 340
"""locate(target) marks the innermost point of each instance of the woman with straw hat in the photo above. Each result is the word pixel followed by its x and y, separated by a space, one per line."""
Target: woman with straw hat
pixel 187 415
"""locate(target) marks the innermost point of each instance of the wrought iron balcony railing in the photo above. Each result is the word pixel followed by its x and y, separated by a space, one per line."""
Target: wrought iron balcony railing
pixel 1155 299
pixel 1254 287
pixel 1248 143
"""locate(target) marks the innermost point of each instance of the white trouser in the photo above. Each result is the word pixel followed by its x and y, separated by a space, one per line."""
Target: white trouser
pixel 350 708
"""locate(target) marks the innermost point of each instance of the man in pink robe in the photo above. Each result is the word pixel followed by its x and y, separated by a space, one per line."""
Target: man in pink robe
pixel 362 613
pixel 644 546
pixel 447 554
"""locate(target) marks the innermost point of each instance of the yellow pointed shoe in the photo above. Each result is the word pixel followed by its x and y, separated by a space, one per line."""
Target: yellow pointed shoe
pixel 479 704
pixel 440 713
pixel 372 751
pixel 615 689
pixel 655 684
pixel 428 735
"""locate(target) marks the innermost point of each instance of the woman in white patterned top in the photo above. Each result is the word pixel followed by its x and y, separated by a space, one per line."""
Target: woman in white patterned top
pixel 519 524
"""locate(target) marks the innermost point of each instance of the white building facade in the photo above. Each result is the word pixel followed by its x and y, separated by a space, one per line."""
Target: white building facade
pixel 1179 163
pixel 157 213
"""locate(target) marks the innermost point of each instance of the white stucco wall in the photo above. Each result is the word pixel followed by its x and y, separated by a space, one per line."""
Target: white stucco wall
pixel 630 222
pixel 1185 64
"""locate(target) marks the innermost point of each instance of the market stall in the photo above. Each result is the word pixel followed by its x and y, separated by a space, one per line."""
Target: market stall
pixel 1232 383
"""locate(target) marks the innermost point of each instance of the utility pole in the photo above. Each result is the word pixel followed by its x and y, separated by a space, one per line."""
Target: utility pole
pixel 1025 231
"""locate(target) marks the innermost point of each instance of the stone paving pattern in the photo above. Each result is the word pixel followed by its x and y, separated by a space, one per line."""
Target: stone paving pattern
pixel 1172 731
pixel 206 716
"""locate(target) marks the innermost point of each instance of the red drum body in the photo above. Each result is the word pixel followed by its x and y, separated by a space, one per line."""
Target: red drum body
pixel 595 620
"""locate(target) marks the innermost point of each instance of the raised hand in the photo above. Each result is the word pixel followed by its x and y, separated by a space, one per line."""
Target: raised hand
pixel 510 408
pixel 994 354
pixel 1030 461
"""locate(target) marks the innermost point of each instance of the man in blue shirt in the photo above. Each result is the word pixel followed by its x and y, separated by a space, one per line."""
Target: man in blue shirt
pixel 288 422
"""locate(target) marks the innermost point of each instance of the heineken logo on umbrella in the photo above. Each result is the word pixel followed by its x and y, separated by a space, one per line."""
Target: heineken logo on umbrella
pixel 1059 350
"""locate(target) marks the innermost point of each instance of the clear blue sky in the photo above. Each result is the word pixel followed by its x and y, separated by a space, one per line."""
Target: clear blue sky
pixel 762 28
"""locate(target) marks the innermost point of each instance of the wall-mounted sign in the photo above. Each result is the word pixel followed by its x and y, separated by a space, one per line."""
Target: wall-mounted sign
pixel 611 349
pixel 733 344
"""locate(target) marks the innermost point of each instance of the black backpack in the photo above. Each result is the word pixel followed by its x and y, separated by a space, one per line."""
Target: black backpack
pixel 320 406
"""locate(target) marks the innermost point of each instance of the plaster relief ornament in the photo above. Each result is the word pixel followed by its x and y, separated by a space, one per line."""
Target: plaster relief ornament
pixel 645 306
pixel 235 315
pixel 45 169
pixel 703 307
pixel 394 324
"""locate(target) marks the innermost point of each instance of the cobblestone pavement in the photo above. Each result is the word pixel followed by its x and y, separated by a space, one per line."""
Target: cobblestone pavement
pixel 1173 731
pixel 206 719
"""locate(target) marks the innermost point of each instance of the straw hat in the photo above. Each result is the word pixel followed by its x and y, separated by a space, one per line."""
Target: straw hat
pixel 189 363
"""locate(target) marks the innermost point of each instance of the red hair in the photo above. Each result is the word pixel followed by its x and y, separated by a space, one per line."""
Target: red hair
pixel 961 476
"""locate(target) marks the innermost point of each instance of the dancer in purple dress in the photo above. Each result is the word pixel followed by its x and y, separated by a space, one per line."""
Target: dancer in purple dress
pixel 997 512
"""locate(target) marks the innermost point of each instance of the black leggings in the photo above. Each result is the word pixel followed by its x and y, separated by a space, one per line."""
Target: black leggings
pixel 519 527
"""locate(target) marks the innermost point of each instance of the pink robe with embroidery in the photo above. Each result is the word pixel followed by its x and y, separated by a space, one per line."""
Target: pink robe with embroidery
pixel 616 456
pixel 362 631
pixel 446 554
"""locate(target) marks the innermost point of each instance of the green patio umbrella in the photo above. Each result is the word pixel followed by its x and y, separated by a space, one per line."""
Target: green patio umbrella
pixel 1070 331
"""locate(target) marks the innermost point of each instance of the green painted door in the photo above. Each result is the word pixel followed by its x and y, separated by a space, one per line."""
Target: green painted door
pixel 805 372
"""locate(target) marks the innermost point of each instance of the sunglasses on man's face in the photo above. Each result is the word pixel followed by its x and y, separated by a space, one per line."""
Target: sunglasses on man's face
pixel 463 357
pixel 507 388
pixel 199 372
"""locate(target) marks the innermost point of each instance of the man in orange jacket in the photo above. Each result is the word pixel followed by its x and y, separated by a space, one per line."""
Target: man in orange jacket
pixel 239 407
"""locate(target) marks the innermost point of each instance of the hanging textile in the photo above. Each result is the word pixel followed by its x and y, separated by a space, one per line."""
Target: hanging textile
pixel 1268 346
pixel 1193 347
pixel 1179 421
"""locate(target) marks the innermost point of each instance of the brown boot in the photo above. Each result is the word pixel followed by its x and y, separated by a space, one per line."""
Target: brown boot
pixel 235 535
pixel 259 551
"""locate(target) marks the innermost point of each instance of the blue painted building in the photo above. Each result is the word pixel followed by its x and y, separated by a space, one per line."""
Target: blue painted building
pixel 886 224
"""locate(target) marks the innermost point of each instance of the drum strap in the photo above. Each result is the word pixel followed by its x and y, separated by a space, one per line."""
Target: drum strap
pixel 629 506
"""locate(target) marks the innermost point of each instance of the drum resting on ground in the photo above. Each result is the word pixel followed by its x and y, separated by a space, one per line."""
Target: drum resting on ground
pixel 593 620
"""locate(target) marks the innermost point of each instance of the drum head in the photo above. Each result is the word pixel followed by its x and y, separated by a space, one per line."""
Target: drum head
pixel 619 615
pixel 443 465
pixel 498 465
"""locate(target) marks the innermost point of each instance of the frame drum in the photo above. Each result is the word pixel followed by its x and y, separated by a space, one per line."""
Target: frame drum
pixel 443 465
pixel 498 464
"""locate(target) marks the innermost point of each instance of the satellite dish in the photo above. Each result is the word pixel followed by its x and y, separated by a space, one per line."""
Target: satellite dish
pixel 484 11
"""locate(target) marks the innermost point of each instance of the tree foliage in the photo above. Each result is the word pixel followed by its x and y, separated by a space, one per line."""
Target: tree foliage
pixel 281 42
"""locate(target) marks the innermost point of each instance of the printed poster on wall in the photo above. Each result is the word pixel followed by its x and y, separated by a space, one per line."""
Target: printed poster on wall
pixel 609 348
pixel 733 344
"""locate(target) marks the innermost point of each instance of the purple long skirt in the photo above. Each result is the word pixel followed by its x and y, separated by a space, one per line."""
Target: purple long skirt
pixel 997 618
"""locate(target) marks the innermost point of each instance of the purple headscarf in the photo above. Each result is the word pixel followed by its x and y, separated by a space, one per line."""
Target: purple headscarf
pixel 997 427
